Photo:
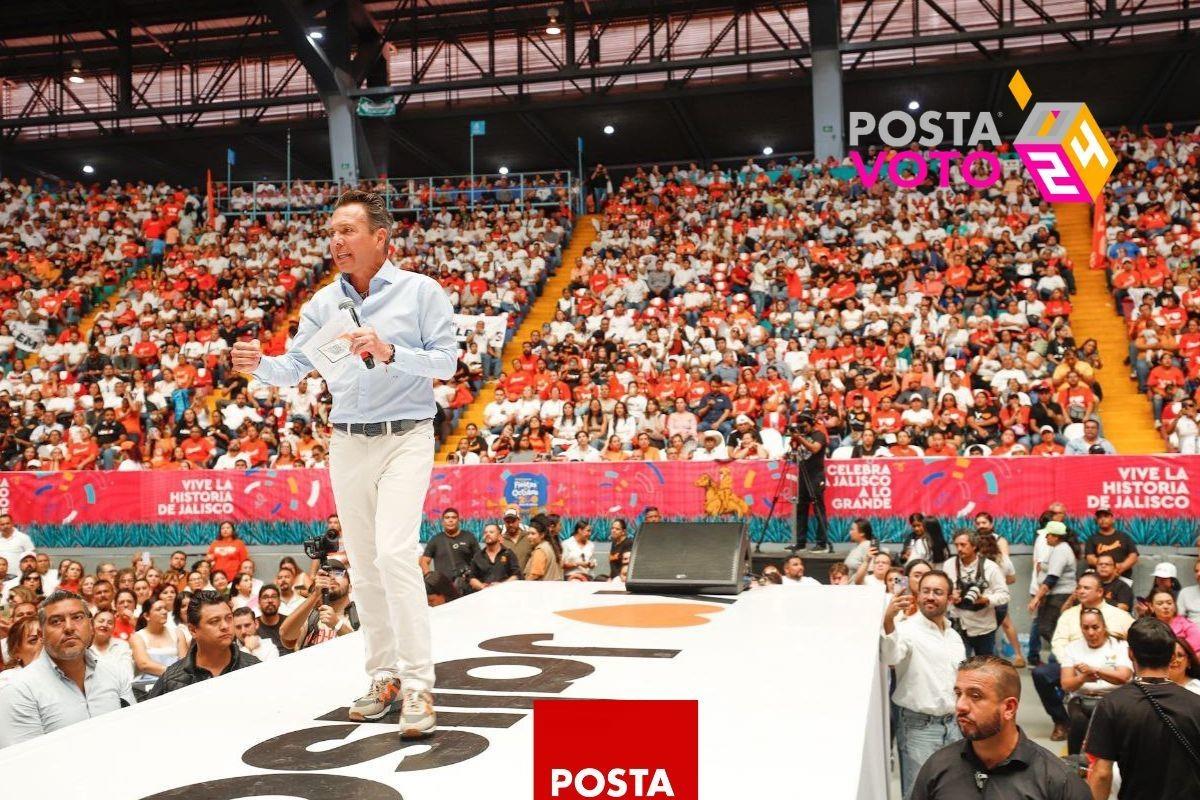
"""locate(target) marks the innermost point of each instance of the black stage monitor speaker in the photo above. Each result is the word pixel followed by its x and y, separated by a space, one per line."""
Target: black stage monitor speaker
pixel 693 558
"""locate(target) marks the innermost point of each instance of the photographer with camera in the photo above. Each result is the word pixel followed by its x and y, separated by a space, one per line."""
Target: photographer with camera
pixel 806 447
pixel 979 587
pixel 451 552
pixel 326 613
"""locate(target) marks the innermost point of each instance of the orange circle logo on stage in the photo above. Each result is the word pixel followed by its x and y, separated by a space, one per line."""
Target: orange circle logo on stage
pixel 644 615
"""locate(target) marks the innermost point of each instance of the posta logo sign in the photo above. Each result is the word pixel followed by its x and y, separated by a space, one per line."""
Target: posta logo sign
pixel 654 757
pixel 1060 145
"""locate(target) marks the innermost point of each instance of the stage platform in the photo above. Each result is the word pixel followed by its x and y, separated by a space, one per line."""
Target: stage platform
pixel 791 702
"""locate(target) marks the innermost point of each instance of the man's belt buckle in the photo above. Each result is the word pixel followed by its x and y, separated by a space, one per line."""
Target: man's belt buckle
pixel 374 428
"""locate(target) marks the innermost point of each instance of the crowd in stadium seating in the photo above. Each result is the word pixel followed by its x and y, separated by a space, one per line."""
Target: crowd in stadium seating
pixel 716 304
pixel 148 385
pixel 1152 254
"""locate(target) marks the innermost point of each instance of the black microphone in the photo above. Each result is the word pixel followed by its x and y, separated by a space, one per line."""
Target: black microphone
pixel 348 305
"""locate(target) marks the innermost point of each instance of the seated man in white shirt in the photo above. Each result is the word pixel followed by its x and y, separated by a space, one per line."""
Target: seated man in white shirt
pixel 712 448
pixel 581 450
pixel 66 684
pixel 793 573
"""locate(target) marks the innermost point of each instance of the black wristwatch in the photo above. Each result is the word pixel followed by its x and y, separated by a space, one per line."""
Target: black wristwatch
pixel 391 359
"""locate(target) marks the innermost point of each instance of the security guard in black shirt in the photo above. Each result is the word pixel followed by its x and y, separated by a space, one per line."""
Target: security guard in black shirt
pixel 994 759
pixel 493 563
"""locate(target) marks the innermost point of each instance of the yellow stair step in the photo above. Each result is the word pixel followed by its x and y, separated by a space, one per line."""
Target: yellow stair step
pixel 582 236
pixel 1125 412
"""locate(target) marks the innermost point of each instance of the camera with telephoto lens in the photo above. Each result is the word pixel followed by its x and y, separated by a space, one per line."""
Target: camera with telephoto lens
pixel 802 425
pixel 969 593
pixel 320 547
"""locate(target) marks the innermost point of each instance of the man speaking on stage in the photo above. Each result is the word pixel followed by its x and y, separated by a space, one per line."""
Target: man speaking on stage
pixel 399 324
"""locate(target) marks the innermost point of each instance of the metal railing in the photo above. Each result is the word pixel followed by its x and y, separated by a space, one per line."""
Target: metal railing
pixel 553 189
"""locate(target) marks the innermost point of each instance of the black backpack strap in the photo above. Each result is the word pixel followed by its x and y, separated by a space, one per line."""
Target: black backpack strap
pixel 1162 714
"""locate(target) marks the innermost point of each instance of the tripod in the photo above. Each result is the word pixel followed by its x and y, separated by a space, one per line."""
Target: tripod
pixel 775 500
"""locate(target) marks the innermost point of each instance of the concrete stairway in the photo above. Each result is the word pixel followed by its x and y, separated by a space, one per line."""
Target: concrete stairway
pixel 1128 420
pixel 583 234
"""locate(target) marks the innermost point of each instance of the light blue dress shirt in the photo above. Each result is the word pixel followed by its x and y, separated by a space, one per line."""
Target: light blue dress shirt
pixel 41 699
pixel 409 311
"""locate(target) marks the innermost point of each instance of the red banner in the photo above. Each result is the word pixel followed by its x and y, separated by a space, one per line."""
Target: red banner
pixel 1137 486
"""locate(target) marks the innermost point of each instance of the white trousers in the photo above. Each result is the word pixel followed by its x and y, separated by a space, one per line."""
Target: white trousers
pixel 379 483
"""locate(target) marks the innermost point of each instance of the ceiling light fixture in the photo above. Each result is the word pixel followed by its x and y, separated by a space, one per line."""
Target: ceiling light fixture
pixel 609 130
pixel 504 170
pixel 88 169
pixel 768 150
pixel 552 28
pixel 76 75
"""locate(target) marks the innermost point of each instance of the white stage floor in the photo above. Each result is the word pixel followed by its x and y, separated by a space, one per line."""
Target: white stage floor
pixel 791 704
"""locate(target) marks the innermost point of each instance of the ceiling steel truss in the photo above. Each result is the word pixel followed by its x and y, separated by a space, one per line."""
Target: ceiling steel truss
pixel 152 64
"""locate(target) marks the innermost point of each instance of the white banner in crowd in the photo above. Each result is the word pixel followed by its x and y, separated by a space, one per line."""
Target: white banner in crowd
pixel 494 326
pixel 113 340
pixel 29 337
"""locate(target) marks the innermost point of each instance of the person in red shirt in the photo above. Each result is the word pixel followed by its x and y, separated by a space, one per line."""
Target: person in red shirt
pixel 197 448
pixel 254 448
pixel 1172 314
pixel 1162 382
pixel 886 419
pixel 227 552
pixel 1076 393
pixel 154 227
pixel 145 351
pixel 82 453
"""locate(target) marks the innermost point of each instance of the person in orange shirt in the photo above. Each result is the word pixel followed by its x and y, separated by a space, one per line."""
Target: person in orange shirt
pixel 254 448
pixel 1047 446
pixel 937 446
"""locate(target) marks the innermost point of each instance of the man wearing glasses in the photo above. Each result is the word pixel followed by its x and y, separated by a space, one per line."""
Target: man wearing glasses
pixel 926 652
pixel 327 612
pixel 65 684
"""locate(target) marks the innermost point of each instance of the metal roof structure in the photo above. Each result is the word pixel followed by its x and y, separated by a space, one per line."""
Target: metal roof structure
pixel 146 88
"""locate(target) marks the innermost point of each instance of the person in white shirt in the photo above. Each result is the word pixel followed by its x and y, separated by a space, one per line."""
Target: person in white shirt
pixel 1057 578
pixel 107 648
pixel 65 684
pixel 1091 667
pixel 579 553
pixel 793 573
pixel 581 450
pixel 289 598
pixel 1089 592
pixel 926 652
pixel 1188 601
pixel 979 587
pixel 245 630
pixel 13 543
pixel 712 448
pixel 1186 431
